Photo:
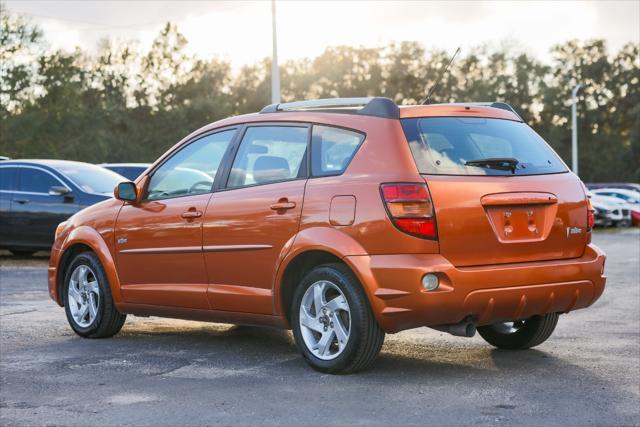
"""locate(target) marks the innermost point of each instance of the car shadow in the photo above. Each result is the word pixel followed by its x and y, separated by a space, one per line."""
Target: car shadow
pixel 413 360
pixel 488 381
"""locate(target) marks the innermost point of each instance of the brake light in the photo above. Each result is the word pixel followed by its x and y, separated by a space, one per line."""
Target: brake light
pixel 591 218
pixel 410 208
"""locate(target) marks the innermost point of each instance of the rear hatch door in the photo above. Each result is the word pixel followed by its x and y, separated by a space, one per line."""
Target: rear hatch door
pixel 500 192
pixel 495 220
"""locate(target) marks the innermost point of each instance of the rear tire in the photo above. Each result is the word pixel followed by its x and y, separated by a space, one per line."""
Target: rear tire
pixel 522 334
pixel 87 299
pixel 338 333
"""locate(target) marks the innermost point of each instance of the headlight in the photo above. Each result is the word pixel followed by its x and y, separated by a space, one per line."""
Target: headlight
pixel 60 228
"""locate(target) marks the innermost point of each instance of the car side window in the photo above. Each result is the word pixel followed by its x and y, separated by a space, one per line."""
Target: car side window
pixel 7 179
pixel 269 154
pixel 36 181
pixel 332 149
pixel 191 170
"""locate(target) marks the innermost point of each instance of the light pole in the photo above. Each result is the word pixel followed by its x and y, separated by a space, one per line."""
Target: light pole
pixel 574 129
pixel 275 71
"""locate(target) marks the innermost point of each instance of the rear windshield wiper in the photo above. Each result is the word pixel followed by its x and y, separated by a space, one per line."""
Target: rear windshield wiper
pixel 500 163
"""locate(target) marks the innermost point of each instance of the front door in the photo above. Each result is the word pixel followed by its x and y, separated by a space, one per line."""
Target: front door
pixel 8 182
pixel 248 223
pixel 36 211
pixel 159 241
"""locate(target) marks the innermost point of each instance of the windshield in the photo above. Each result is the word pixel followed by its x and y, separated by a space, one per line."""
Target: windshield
pixel 91 178
pixel 478 146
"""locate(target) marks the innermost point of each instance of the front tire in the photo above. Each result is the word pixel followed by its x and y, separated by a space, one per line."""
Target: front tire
pixel 520 334
pixel 88 303
pixel 333 325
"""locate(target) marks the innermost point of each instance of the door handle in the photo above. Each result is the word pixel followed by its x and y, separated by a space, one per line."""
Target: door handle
pixel 191 214
pixel 21 201
pixel 282 206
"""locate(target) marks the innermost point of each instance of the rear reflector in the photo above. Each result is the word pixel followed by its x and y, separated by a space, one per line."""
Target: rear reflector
pixel 410 208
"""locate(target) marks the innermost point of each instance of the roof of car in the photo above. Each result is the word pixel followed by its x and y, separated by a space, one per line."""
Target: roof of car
pixel 616 190
pixel 330 116
pixel 126 165
pixel 53 163
pixel 388 109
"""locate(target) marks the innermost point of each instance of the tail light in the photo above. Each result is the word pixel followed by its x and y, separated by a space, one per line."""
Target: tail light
pixel 591 214
pixel 410 208
pixel 591 218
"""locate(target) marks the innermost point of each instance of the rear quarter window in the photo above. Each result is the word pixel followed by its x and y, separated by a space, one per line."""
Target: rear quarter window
pixel 444 146
pixel 332 149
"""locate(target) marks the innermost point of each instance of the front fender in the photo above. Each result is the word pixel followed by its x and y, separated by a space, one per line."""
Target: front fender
pixel 88 236
pixel 327 239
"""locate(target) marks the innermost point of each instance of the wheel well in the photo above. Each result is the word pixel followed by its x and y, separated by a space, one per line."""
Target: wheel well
pixel 66 259
pixel 296 270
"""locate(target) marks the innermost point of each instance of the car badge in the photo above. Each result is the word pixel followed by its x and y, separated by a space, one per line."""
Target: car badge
pixel 573 230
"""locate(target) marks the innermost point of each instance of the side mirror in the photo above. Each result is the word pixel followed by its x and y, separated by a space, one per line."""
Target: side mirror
pixel 125 191
pixel 59 190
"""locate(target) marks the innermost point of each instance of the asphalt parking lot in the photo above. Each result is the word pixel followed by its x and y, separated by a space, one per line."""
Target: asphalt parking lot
pixel 171 372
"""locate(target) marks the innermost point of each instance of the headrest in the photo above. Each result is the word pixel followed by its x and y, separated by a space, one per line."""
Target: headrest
pixel 237 177
pixel 270 168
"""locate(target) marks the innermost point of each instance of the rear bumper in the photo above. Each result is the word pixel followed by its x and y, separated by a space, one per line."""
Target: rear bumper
pixel 487 293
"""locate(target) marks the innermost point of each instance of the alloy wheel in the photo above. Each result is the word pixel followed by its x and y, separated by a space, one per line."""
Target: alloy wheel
pixel 83 296
pixel 325 320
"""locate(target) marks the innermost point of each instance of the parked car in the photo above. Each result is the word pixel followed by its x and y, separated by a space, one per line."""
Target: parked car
pixel 602 213
pixel 131 171
pixel 36 195
pixel 344 220
pixel 631 197
pixel 619 210
pixel 625 185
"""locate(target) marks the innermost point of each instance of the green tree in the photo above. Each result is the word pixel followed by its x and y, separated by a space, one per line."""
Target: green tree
pixel 122 104
pixel 20 43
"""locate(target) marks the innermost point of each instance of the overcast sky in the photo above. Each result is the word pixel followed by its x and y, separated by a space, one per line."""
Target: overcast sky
pixel 241 31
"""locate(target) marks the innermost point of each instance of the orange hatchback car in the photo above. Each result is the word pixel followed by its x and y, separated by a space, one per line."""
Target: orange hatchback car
pixel 342 219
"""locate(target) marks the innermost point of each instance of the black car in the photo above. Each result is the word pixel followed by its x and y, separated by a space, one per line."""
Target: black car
pixel 131 171
pixel 36 195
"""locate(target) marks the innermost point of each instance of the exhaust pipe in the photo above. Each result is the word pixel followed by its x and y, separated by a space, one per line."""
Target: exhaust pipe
pixel 465 328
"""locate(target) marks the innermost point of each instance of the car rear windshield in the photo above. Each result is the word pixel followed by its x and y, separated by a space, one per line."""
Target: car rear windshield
pixel 478 146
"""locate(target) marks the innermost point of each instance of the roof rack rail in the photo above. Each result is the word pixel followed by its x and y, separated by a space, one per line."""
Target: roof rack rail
pixel 372 106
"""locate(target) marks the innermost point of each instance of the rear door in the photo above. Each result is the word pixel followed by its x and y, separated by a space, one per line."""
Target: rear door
pixel 498 211
pixel 250 223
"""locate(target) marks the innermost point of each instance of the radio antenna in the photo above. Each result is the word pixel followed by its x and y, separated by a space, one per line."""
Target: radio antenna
pixel 437 83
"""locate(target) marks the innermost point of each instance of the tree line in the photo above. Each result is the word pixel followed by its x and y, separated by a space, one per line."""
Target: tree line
pixel 122 104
